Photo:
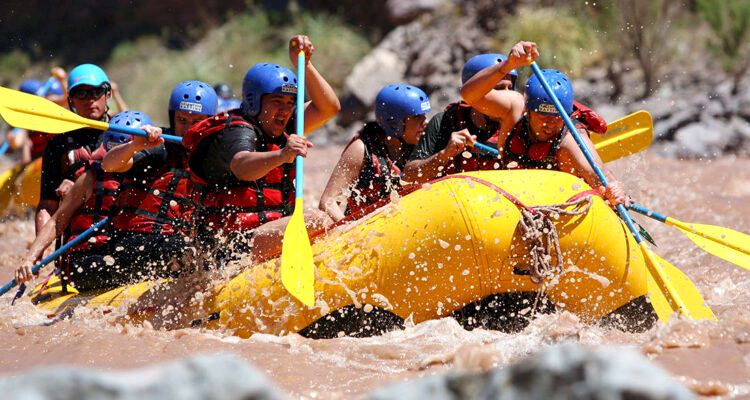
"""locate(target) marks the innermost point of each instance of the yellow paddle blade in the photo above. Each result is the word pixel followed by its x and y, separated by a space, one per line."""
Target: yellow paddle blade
pixel 6 185
pixel 27 111
pixel 722 242
pixel 670 290
pixel 625 136
pixel 297 267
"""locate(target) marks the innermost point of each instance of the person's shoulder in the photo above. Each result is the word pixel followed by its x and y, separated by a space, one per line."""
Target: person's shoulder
pixel 438 117
pixel 173 148
pixel 434 124
pixel 237 131
pixel 357 145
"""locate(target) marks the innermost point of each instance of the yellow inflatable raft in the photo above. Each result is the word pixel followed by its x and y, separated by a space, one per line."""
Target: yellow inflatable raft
pixel 28 185
pixel 454 247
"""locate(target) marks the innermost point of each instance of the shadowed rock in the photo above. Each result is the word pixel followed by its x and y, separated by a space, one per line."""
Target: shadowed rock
pixel 568 371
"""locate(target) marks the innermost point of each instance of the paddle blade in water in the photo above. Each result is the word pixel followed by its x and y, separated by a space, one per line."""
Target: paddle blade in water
pixel 686 292
pixel 625 136
pixel 297 267
pixel 27 111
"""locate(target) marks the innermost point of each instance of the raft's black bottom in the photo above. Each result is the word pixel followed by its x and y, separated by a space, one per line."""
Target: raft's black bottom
pixel 637 315
pixel 505 312
pixel 354 322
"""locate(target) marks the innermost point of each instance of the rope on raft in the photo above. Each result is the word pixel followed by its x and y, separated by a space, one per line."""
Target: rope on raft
pixel 537 223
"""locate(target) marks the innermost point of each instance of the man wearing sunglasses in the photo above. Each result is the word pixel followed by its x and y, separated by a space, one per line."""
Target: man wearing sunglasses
pixel 89 89
pixel 445 146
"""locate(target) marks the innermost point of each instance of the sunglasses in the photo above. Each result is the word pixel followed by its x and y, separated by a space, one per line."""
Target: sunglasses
pixel 93 93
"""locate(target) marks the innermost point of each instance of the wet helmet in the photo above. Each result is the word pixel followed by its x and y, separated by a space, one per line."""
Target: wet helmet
pixel 30 86
pixel 87 74
pixel 263 79
pixel 55 88
pixel 537 99
pixel 396 102
pixel 482 61
pixel 223 90
pixel 228 104
pixel 129 119
pixel 193 97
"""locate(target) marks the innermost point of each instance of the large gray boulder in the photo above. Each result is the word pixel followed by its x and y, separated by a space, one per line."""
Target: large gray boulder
pixel 568 371
pixel 379 68
pixel 220 377
pixel 403 11
pixel 428 52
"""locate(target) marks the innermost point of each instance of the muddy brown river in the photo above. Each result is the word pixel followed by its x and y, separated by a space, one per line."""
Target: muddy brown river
pixel 710 358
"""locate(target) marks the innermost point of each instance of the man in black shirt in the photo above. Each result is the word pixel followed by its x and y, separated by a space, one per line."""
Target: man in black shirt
pixel 243 161
pixel 151 221
pixel 88 92
pixel 442 150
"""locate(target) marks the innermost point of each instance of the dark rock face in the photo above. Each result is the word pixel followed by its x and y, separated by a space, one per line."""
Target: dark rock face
pixel 428 52
pixel 695 113
pixel 564 372
pixel 220 377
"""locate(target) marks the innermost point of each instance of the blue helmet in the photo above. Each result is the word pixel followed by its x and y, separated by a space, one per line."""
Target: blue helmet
pixel 55 88
pixel 129 119
pixel 87 74
pixel 193 97
pixel 30 86
pixel 396 102
pixel 537 99
pixel 263 79
pixel 482 61
pixel 228 104
pixel 223 90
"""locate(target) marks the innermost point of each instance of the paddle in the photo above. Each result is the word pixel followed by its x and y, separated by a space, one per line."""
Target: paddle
pixel 42 91
pixel 78 239
pixel 35 113
pixel 722 242
pixel 297 268
pixel 46 87
pixel 625 136
pixel 681 296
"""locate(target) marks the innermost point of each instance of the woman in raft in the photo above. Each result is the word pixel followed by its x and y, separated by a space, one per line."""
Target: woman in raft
pixel 369 170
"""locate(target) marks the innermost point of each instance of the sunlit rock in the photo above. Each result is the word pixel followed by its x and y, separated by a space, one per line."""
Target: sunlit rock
pixel 569 371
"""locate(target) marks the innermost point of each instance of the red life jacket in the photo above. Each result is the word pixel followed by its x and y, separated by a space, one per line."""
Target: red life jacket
pixel 477 162
pixel 38 143
pixel 239 205
pixel 520 153
pixel 543 155
pixel 592 121
pixel 95 209
pixel 79 158
pixel 380 176
pixel 158 205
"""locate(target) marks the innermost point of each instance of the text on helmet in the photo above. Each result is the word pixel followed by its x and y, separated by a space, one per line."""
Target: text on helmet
pixel 188 106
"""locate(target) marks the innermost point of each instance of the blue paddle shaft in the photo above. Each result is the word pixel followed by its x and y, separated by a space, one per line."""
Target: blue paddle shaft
pixel 645 211
pixel 141 132
pixel 571 127
pixel 80 238
pixel 299 160
pixel 484 147
pixel 47 86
